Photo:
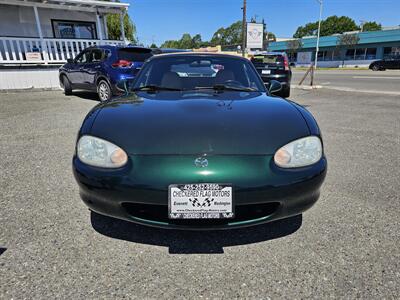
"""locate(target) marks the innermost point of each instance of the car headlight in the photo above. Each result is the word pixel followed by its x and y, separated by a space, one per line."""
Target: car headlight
pixel 299 153
pixel 100 153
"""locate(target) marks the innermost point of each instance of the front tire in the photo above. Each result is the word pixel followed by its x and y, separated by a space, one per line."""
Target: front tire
pixel 375 68
pixel 104 90
pixel 67 86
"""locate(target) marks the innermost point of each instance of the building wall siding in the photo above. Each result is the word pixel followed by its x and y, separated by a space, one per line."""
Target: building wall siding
pixel 29 79
pixel 19 21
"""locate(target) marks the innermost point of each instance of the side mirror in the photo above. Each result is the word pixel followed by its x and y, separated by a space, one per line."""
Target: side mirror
pixel 274 87
pixel 70 61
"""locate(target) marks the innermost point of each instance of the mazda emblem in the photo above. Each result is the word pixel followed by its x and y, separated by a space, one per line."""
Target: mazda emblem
pixel 201 162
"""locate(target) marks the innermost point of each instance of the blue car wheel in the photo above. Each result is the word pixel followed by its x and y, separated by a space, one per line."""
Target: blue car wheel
pixel 104 90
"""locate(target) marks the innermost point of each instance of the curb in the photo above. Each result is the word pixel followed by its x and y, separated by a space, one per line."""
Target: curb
pixel 307 87
pixel 30 89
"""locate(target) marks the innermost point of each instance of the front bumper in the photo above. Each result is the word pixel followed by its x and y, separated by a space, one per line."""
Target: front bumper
pixel 138 192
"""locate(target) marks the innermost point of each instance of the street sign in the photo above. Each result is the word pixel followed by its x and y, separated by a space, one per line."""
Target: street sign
pixel 255 34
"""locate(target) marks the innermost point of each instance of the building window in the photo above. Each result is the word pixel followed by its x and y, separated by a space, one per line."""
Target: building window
pixel 371 53
pixel 74 29
pixel 360 54
pixel 350 54
pixel 391 52
pixel 336 55
pixel 292 56
pixel 328 55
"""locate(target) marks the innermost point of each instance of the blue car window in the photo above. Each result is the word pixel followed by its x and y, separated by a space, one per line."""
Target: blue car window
pixel 97 55
pixel 134 54
pixel 84 57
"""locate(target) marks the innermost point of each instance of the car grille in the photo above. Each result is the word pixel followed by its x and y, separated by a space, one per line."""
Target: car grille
pixel 159 213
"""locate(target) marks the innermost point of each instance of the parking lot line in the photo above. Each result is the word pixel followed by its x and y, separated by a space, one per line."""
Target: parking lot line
pixel 375 77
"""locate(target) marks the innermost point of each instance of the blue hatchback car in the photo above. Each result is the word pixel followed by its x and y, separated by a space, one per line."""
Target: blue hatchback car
pixel 100 68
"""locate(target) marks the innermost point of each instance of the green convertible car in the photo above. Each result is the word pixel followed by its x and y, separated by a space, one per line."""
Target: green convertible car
pixel 199 143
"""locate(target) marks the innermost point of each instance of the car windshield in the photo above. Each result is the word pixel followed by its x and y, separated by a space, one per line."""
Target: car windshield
pixel 199 72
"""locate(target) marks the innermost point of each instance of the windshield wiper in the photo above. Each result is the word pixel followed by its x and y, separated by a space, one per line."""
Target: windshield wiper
pixel 153 87
pixel 223 87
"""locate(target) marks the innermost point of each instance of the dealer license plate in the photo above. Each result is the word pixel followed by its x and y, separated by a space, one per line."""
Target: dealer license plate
pixel 265 71
pixel 200 201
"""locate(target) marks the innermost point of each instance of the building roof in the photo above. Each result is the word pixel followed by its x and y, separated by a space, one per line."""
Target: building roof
pixel 369 37
pixel 82 5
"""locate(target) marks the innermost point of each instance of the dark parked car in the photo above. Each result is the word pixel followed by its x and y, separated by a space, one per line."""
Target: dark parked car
pixel 196 150
pixel 387 63
pixel 274 66
pixel 100 68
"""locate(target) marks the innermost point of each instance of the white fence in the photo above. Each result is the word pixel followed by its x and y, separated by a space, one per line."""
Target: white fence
pixel 16 50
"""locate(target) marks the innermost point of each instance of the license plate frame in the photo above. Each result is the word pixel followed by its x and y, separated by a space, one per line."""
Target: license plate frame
pixel 201 201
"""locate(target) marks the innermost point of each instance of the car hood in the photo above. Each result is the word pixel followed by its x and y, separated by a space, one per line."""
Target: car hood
pixel 229 123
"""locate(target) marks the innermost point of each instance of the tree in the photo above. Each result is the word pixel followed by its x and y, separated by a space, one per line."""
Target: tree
pixel 268 37
pixel 307 29
pixel 371 26
pixel 196 41
pixel 114 28
pixel 347 41
pixel 294 46
pixel 218 37
pixel 170 44
pixel 230 35
pixel 205 44
pixel 335 24
pixel 153 45
pixel 185 42
pixel 329 26
pixel 233 33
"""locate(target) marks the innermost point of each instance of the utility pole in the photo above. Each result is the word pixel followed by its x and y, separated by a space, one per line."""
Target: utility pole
pixel 265 45
pixel 317 48
pixel 244 29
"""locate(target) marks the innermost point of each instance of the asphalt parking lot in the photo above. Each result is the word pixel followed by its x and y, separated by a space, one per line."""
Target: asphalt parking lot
pixel 346 246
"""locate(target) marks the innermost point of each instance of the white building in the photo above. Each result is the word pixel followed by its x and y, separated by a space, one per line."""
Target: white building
pixel 39 33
